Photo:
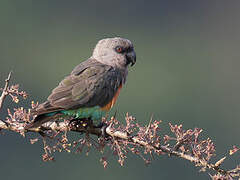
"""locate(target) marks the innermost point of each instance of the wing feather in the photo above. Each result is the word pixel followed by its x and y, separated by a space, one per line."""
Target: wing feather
pixel 90 84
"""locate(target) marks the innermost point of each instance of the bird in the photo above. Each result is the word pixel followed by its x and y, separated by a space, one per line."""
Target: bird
pixel 93 86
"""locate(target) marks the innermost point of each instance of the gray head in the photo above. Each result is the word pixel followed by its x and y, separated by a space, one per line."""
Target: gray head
pixel 116 52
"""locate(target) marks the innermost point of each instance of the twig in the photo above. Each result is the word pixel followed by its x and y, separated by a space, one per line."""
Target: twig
pixel 63 126
pixel 5 89
pixel 121 138
pixel 165 149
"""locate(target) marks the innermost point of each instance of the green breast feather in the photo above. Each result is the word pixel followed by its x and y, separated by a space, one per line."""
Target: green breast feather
pixel 94 112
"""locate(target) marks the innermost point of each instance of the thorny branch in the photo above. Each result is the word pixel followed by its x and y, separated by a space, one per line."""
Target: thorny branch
pixel 5 90
pixel 121 139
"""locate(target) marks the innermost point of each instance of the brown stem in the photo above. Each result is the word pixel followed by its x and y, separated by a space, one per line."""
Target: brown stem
pixel 166 149
pixel 64 126
pixel 115 134
pixel 5 89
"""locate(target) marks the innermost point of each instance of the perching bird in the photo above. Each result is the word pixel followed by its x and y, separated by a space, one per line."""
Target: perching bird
pixel 92 87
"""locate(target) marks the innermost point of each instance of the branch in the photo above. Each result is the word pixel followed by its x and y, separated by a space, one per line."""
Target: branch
pixel 166 149
pixel 5 89
pixel 120 135
pixel 143 141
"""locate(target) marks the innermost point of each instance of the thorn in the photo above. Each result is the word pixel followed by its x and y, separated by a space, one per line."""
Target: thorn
pixel 9 76
pixel 219 162
pixel 149 124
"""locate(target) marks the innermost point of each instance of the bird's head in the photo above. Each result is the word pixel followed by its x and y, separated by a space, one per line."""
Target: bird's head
pixel 116 52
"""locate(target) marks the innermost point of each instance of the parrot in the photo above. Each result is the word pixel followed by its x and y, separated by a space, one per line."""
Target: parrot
pixel 93 86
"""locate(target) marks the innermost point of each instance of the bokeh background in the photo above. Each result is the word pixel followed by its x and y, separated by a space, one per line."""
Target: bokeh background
pixel 187 72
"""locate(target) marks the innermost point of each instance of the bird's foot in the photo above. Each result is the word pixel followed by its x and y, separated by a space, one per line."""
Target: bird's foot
pixel 86 123
pixel 103 127
pixel 79 123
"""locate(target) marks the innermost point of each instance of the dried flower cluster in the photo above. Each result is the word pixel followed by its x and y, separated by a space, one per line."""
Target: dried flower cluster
pixel 144 141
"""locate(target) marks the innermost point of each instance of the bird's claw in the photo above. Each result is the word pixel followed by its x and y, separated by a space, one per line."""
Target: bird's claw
pixel 79 123
pixel 103 127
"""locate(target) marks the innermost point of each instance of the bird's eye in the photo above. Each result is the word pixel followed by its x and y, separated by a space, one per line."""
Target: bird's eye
pixel 119 49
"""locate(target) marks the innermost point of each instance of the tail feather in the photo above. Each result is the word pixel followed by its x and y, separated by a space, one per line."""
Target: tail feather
pixel 38 121
pixel 44 108
pixel 42 114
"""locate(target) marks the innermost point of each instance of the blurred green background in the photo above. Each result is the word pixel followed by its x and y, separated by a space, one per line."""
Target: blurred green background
pixel 187 72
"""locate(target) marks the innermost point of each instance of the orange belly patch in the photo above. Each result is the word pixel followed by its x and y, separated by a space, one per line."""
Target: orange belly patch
pixel 113 101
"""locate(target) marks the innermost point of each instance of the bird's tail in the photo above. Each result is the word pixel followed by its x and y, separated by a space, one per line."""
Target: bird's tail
pixel 44 112
pixel 38 121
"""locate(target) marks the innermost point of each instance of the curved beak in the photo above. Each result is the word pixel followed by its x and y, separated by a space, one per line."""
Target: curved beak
pixel 131 58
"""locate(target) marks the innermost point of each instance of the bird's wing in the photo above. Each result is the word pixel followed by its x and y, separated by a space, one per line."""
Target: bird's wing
pixel 90 84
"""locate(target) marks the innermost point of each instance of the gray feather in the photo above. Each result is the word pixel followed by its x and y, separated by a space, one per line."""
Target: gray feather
pixel 94 82
pixel 90 84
